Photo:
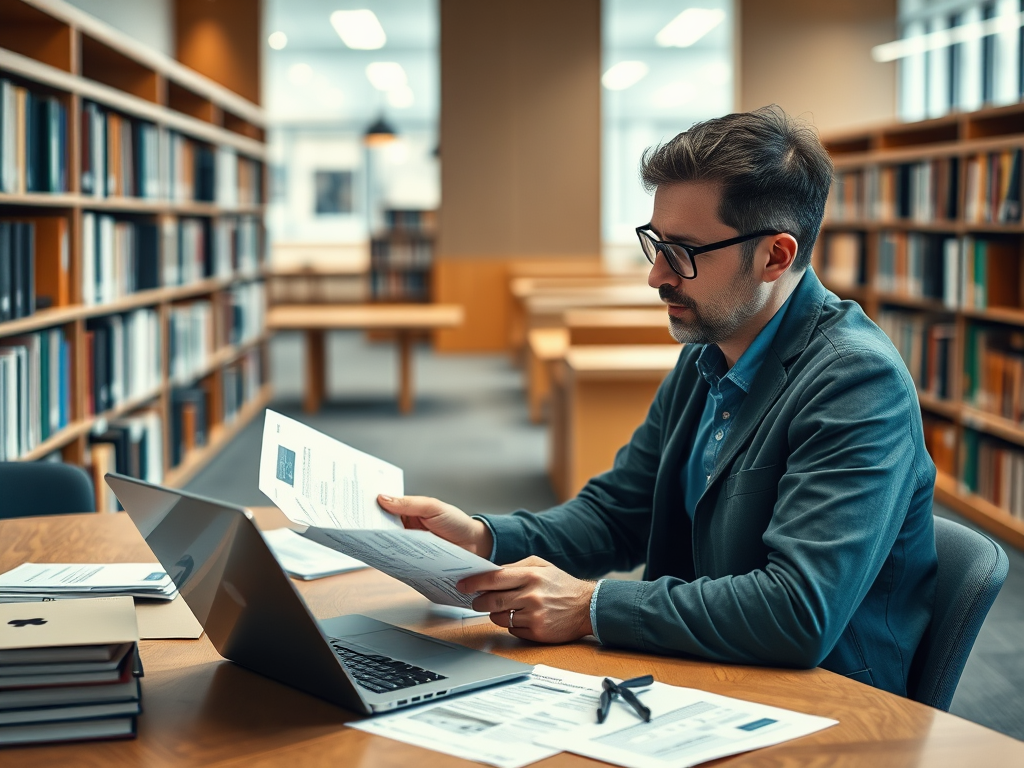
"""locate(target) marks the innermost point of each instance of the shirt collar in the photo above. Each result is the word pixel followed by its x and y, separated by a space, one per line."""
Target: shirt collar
pixel 711 361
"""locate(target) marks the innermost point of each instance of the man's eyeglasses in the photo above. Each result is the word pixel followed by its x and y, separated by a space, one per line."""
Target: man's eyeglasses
pixel 680 256
pixel 613 689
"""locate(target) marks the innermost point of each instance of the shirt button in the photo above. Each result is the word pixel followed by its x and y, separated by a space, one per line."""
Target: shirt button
pixel 726 414
pixel 719 435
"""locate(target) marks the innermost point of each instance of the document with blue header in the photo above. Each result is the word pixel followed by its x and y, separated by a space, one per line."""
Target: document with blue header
pixel 332 489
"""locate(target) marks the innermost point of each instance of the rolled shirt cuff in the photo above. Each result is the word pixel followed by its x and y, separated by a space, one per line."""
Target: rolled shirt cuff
pixel 494 538
pixel 593 609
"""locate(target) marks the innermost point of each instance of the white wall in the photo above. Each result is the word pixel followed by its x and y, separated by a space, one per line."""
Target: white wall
pixel 151 22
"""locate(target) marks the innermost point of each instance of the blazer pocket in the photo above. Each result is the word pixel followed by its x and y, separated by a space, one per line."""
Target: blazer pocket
pixel 753 481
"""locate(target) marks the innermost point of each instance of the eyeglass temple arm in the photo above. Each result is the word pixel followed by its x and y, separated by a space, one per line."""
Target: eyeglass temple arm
pixel 635 703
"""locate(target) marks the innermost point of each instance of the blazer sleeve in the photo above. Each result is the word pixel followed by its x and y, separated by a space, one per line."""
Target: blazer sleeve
pixel 855 461
pixel 606 527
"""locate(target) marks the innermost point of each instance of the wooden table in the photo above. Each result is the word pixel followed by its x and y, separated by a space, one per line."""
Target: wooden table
pixel 405 320
pixel 600 395
pixel 202 710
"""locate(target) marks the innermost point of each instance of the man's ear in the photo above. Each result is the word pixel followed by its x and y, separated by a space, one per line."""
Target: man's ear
pixel 782 250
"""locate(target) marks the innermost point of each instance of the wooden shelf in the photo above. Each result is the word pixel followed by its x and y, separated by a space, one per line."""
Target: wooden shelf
pixel 52 47
pixel 48 318
pixel 220 436
pixel 963 136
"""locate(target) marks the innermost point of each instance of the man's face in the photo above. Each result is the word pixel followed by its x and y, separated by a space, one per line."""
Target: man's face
pixel 713 306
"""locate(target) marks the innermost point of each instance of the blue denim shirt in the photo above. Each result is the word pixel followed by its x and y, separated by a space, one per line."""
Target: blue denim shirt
pixel 729 389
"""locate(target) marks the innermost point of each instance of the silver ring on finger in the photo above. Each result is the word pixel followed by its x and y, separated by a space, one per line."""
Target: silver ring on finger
pixel 511 617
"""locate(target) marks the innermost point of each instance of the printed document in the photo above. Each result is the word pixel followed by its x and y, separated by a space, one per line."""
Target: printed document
pixel 497 725
pixel 37 581
pixel 687 727
pixel 305 559
pixel 332 488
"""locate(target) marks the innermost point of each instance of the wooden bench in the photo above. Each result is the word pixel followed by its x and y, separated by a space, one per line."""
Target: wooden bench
pixel 404 320
pixel 600 395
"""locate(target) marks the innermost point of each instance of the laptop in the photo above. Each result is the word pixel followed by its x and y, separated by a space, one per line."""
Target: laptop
pixel 255 617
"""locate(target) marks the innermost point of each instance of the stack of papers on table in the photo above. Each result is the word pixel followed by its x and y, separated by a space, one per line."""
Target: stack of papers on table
pixel 332 489
pixel 521 722
pixel 68 671
pixel 48 581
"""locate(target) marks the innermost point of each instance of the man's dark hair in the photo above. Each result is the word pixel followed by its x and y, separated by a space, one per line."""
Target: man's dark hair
pixel 773 170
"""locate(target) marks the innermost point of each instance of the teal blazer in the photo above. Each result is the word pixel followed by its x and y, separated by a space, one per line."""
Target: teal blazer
pixel 813 544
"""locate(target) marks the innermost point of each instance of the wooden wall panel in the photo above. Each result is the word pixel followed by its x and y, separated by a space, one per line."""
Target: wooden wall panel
pixel 844 87
pixel 481 285
pixel 222 40
pixel 520 148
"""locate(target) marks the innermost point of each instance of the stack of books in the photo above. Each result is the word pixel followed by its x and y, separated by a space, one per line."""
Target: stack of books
pixel 69 671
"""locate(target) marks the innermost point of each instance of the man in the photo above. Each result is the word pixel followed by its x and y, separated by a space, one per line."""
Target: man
pixel 779 491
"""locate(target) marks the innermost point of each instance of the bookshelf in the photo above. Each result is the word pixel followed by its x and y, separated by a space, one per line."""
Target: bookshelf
pixel 923 228
pixel 402 256
pixel 141 187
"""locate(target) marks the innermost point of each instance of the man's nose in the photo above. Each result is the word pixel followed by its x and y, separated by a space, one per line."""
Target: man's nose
pixel 661 273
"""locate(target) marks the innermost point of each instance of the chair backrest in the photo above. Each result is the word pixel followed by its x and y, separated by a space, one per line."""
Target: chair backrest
pixel 44 488
pixel 971 571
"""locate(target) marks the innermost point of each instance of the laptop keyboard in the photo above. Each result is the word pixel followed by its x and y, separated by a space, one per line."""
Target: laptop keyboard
pixel 382 674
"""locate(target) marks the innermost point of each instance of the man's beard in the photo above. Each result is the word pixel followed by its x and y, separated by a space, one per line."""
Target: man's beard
pixel 710 324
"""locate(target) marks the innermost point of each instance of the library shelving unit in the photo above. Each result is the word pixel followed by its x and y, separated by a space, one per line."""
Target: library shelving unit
pixel 144 182
pixel 402 256
pixel 923 228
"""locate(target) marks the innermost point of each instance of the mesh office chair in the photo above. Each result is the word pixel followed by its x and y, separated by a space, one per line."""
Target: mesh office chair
pixel 972 569
pixel 44 488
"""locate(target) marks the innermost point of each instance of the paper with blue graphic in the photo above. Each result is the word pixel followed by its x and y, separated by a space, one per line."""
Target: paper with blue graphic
pixel 332 489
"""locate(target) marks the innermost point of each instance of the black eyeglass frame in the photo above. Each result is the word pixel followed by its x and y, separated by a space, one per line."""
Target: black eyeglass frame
pixel 611 690
pixel 692 250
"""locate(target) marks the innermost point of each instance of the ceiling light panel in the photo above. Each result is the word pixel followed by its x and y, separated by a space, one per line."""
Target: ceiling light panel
pixel 386 75
pixel 624 75
pixel 277 40
pixel 689 27
pixel 360 30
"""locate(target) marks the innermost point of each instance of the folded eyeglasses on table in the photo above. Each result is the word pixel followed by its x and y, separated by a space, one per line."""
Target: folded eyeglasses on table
pixel 613 689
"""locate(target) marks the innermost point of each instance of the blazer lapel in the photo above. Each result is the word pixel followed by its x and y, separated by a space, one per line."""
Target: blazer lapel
pixel 792 338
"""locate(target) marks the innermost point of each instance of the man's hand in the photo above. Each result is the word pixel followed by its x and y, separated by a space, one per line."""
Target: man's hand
pixel 550 605
pixel 450 523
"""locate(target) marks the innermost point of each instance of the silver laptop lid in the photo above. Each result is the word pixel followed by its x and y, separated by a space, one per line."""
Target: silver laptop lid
pixel 237 590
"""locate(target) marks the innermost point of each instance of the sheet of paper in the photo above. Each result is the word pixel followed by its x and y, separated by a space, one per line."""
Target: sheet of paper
pixel 318 481
pixel 497 725
pixel 687 727
pixel 427 563
pixel 332 488
pixel 79 579
pixel 166 620
pixel 305 559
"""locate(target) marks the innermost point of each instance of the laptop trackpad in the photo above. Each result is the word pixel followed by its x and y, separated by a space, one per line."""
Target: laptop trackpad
pixel 399 645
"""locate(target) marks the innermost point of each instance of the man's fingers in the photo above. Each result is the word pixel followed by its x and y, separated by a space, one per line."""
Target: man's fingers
pixel 498 602
pixel 412 506
pixel 509 577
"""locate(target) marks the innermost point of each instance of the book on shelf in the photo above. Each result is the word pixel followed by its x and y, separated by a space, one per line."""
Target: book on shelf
pixel 940 440
pixel 842 262
pixel 119 257
pixel 70 672
pixel 123 358
pixel 246 317
pixel 241 382
pixel 190 339
pixel 922 191
pixel 238 246
pixel 189 424
pixel 35 265
pixel 410 220
pixel 994 370
pixel 992 192
pixel 33 141
pixel 130 445
pixel 919 265
pixel 990 273
pixel 994 470
pixel 35 390
pixel 926 344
